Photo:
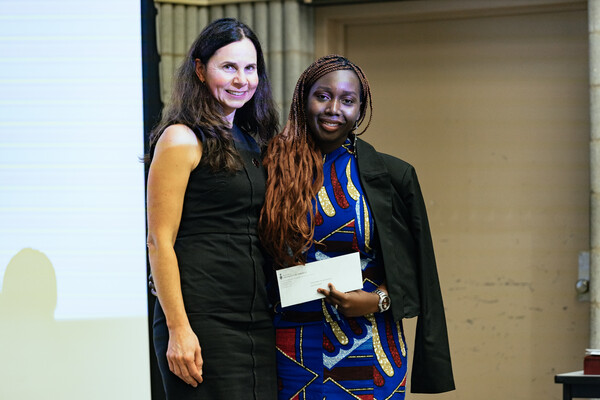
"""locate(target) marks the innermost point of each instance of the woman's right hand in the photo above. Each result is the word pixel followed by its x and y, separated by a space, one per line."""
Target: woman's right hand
pixel 184 355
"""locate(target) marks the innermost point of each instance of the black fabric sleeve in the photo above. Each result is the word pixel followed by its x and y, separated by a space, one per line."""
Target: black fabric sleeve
pixel 432 368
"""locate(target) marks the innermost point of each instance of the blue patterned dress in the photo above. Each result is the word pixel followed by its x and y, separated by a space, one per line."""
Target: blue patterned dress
pixel 322 354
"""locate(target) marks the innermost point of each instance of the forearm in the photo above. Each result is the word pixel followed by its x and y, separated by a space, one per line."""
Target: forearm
pixel 371 302
pixel 165 271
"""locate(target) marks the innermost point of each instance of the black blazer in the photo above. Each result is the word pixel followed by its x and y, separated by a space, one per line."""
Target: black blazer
pixel 406 248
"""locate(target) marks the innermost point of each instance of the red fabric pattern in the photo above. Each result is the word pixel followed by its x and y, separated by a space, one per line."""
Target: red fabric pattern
pixel 327 345
pixel 286 341
pixel 355 242
pixel 338 191
pixel 318 218
pixel 378 379
pixel 392 344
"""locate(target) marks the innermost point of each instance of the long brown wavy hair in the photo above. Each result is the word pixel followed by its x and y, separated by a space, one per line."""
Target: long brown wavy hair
pixel 294 166
pixel 192 104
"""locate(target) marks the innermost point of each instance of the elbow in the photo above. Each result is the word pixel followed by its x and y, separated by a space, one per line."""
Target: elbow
pixel 156 243
pixel 153 244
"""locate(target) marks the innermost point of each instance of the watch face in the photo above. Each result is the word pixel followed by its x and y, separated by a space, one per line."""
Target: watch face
pixel 385 303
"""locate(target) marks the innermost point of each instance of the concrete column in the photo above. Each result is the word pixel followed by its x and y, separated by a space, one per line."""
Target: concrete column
pixel 179 35
pixel 216 12
pixel 231 11
pixel 293 53
pixel 165 48
pixel 191 26
pixel 307 27
pixel 276 65
pixel 203 19
pixel 246 15
pixel 594 51
pixel 260 26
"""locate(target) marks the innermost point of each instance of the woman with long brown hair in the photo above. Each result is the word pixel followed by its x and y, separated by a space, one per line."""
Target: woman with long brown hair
pixel 213 333
pixel 329 194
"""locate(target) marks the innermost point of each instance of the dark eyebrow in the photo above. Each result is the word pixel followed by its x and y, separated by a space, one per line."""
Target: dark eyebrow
pixel 328 89
pixel 227 62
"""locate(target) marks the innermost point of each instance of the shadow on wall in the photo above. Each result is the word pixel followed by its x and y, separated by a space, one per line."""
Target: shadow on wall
pixel 29 289
pixel 42 358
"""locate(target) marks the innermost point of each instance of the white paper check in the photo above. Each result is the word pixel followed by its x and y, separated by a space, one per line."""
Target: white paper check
pixel 299 284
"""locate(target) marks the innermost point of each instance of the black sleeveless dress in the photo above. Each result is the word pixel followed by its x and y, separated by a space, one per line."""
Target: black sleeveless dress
pixel 223 284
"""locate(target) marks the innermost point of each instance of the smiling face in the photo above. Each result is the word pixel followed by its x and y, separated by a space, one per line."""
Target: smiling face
pixel 231 75
pixel 332 108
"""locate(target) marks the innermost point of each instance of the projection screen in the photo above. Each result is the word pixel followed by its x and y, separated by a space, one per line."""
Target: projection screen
pixel 73 307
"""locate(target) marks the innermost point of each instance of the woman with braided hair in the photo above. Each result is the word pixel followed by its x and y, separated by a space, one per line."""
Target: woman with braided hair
pixel 329 193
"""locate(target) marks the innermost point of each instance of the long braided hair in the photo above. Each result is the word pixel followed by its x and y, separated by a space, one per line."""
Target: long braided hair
pixel 294 167
pixel 193 105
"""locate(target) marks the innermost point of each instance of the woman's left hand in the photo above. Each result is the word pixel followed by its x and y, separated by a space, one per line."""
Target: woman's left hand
pixel 352 304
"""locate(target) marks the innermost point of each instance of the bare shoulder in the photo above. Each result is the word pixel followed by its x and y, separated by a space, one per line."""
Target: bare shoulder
pixel 178 135
pixel 181 142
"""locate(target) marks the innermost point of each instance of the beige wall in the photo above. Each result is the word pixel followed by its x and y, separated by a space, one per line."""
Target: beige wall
pixel 491 106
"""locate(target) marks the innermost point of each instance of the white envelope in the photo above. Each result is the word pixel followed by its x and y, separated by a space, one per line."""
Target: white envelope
pixel 299 284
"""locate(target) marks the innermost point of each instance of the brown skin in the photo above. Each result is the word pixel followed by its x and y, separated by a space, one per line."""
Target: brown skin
pixel 332 109
pixel 355 303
